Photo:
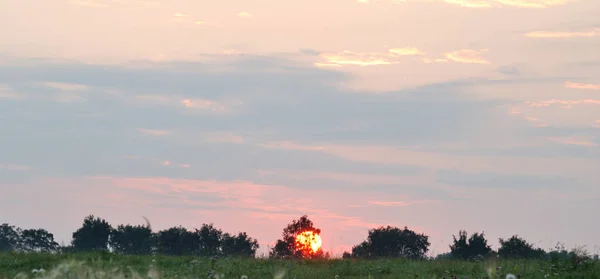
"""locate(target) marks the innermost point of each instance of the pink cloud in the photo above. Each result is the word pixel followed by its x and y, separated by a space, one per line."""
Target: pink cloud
pixel 564 34
pixel 261 210
pixel 226 137
pixel 468 56
pixel 388 154
pixel 582 141
pixel 66 86
pixel 13 167
pixel 548 103
pixel 153 132
pixel 582 85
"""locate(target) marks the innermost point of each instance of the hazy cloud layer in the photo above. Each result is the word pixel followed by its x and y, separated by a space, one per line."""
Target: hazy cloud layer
pixel 408 112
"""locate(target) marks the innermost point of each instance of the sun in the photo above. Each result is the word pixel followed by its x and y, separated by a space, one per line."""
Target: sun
pixel 308 242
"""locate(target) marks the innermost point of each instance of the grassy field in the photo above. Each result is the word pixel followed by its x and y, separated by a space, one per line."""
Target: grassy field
pixel 113 266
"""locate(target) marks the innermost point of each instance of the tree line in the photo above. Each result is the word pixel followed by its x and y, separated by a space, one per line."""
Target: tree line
pixel 96 234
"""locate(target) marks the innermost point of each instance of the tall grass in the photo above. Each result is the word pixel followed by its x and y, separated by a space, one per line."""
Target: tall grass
pixel 106 265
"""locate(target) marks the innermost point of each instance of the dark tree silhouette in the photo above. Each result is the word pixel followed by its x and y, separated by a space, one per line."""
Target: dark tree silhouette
pixel 38 240
pixel 393 242
pixel 93 235
pixel 209 239
pixel 133 240
pixel 177 241
pixel 240 245
pixel 516 247
pixel 286 247
pixel 9 238
pixel 468 249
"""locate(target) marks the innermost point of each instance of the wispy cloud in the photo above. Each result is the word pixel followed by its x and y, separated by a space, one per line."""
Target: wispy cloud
pixel 582 85
pixel 153 132
pixel 581 141
pixel 65 86
pixel 399 203
pixel 209 104
pixel 13 167
pixel 244 15
pixel 91 3
pixel 471 3
pixel 6 92
pixel 367 58
pixel 510 3
pixel 548 103
pixel 564 34
pixel 468 56
pixel 223 137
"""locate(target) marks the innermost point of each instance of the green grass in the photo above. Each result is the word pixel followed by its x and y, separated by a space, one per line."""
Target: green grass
pixel 105 265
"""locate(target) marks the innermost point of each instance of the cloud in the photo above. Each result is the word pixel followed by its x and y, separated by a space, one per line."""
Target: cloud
pixel 367 58
pixel 223 137
pixel 471 3
pixel 91 3
pixel 564 34
pixel 13 167
pixel 65 86
pixel 589 86
pixel 244 15
pixel 398 203
pixel 510 3
pixel 153 132
pixel 533 3
pixel 496 180
pixel 6 92
pixel 582 141
pixel 468 56
pixel 551 102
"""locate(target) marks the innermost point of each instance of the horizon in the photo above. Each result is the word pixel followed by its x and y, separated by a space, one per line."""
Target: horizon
pixel 437 115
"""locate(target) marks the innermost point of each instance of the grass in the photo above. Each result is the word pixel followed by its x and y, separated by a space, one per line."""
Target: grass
pixel 105 265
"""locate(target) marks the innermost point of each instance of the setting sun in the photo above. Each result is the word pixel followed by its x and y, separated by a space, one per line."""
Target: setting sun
pixel 308 242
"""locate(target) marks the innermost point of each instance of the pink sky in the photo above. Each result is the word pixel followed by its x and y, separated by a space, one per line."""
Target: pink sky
pixel 439 115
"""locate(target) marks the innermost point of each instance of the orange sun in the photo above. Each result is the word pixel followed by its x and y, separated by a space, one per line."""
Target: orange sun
pixel 308 242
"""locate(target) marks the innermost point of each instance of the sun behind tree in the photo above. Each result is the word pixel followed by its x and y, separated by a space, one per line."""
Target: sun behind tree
pixel 300 239
pixel 308 243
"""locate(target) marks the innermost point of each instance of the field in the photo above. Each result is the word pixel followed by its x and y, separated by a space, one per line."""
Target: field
pixel 104 265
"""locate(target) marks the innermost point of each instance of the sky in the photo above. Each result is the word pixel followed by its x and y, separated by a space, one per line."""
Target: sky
pixel 438 115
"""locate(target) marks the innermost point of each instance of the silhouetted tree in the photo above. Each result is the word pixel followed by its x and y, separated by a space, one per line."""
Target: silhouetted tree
pixel 286 247
pixel 393 242
pixel 475 246
pixel 93 235
pixel 240 245
pixel 209 239
pixel 38 240
pixel 9 238
pixel 177 241
pixel 516 247
pixel 133 240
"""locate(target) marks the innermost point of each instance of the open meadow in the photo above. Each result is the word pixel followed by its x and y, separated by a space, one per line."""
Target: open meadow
pixel 106 265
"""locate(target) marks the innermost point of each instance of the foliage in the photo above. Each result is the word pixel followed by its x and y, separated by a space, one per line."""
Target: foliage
pixel 98 265
pixel 93 235
pixel 9 238
pixel 286 246
pixel 240 245
pixel 29 240
pixel 392 242
pixel 516 247
pixel 133 240
pixel 209 239
pixel 177 241
pixel 38 240
pixel 469 249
